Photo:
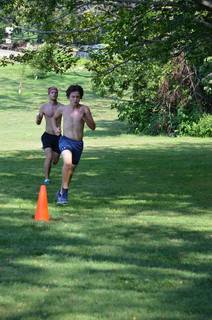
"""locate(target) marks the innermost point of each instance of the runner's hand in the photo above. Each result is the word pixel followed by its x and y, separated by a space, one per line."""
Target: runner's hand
pixel 58 131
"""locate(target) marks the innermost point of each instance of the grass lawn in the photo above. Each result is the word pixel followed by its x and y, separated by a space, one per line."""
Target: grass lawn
pixel 135 241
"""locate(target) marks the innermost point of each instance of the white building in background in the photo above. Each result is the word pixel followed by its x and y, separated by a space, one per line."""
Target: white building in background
pixel 8 31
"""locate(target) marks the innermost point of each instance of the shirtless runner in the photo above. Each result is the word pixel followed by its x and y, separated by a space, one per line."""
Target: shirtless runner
pixel 50 140
pixel 75 115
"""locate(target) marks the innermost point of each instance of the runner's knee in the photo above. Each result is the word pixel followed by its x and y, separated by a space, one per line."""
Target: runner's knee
pixel 68 166
pixel 49 157
pixel 55 160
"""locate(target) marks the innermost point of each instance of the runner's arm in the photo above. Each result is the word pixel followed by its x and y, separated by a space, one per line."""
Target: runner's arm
pixel 88 118
pixel 57 115
pixel 39 116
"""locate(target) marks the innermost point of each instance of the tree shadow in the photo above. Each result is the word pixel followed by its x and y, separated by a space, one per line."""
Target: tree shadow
pixel 146 261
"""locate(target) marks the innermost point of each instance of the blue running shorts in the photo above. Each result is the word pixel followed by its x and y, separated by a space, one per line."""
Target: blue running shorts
pixel 76 148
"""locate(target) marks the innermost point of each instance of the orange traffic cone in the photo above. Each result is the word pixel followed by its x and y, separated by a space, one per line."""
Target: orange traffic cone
pixel 41 212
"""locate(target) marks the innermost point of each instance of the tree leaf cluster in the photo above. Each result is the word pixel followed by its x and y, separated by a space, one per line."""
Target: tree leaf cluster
pixel 141 40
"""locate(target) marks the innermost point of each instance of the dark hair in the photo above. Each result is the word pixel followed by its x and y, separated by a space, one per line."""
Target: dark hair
pixel 74 88
pixel 52 88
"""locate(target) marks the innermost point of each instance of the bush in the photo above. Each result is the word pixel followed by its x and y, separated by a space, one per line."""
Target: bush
pixel 202 128
pixel 206 75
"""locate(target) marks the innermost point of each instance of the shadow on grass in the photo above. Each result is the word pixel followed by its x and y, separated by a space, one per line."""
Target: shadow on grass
pixel 145 271
pixel 142 264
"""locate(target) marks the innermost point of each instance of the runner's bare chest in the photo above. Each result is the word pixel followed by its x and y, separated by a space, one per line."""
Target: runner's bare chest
pixel 49 110
pixel 74 114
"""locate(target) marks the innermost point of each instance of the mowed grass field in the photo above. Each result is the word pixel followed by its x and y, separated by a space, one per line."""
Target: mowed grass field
pixel 135 241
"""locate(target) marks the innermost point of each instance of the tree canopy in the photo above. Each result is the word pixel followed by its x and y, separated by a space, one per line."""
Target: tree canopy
pixel 156 55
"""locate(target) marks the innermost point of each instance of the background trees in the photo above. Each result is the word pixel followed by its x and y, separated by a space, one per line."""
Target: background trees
pixel 154 60
pixel 156 57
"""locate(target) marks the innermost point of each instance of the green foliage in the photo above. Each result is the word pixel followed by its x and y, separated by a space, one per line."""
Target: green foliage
pixel 159 100
pixel 85 23
pixel 2 32
pixel 4 61
pixel 201 128
pixel 49 57
pixel 137 62
pixel 42 60
pixel 141 38
pixel 46 58
pixel 206 75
